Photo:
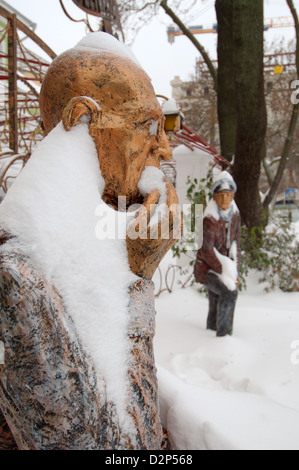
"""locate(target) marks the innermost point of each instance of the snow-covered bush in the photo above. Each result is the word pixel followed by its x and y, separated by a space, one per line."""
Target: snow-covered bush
pixel 252 254
pixel 274 251
pixel 281 246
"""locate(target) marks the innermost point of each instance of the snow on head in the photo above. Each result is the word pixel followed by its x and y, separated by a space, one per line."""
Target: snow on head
pixel 104 44
pixel 224 182
pixel 51 208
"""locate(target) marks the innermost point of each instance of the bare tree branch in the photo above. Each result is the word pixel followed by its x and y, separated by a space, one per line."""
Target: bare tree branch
pixel 293 122
pixel 137 13
pixel 268 171
pixel 148 4
pixel 295 16
pixel 192 38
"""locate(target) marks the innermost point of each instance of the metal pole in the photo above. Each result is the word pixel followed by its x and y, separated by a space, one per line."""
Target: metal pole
pixel 12 83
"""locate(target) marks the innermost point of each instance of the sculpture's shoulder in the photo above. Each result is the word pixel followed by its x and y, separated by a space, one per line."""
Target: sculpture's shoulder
pixel 15 265
pixel 13 262
pixel 21 279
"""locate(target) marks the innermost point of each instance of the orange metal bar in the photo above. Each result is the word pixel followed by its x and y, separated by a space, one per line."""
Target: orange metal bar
pixel 12 83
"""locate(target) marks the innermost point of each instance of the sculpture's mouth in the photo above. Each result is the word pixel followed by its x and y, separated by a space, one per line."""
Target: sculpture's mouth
pixel 128 193
pixel 122 203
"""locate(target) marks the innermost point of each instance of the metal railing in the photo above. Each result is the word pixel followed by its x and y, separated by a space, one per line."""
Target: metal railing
pixel 21 75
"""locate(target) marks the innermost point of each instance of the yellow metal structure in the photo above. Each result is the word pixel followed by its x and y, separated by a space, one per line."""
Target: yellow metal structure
pixel 280 22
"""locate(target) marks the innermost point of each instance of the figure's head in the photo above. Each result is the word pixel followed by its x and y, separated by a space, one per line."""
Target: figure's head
pixel 223 190
pixel 127 125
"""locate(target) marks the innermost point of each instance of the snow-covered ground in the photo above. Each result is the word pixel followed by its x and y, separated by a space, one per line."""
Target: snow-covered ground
pixel 239 392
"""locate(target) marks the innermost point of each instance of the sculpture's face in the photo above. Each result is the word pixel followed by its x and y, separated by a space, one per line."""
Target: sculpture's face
pixel 224 199
pixel 127 127
pixel 128 141
pixel 128 132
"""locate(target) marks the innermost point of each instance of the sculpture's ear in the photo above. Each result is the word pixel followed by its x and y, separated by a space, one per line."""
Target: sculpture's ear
pixel 78 107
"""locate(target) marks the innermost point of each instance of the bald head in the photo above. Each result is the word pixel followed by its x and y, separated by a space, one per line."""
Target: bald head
pixel 117 83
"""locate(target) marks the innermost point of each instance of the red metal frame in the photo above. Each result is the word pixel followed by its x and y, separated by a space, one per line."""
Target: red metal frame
pixel 188 137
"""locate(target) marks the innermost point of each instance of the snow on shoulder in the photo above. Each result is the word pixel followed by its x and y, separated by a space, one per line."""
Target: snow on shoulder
pixel 51 209
pixel 104 44
pixel 212 209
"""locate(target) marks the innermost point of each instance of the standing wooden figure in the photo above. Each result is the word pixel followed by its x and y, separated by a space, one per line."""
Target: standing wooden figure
pixel 217 262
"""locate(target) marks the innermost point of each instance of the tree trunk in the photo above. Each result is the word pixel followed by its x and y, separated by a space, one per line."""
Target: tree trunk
pixel 292 125
pixel 241 100
pixel 248 27
pixel 227 115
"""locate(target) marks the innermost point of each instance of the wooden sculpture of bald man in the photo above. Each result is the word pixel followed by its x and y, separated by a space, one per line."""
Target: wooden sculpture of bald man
pixel 77 312
pixel 128 131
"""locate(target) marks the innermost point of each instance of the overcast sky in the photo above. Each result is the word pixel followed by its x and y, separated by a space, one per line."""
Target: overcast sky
pixel 161 60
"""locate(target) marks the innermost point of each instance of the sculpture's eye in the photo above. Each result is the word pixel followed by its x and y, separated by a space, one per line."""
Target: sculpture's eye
pixel 154 127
